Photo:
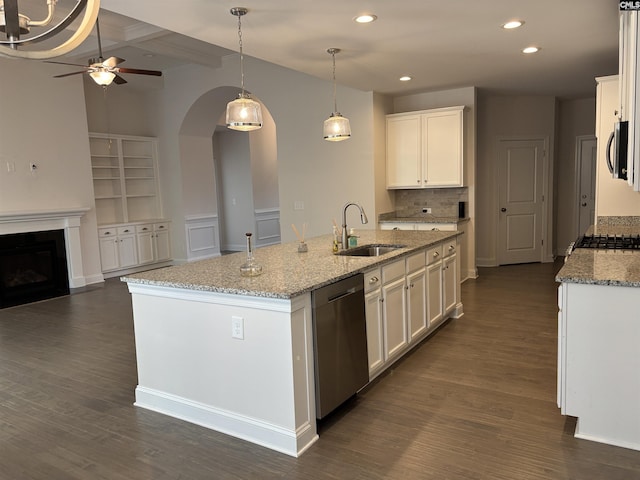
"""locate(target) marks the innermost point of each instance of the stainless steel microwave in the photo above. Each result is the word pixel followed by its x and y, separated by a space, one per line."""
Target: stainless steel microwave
pixel 619 140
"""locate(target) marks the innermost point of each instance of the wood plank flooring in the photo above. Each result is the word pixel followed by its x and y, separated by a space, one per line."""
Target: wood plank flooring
pixel 475 401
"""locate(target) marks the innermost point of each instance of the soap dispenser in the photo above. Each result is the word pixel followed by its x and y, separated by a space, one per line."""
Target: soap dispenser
pixel 353 239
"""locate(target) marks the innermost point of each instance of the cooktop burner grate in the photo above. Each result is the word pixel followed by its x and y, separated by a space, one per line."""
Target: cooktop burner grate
pixel 619 242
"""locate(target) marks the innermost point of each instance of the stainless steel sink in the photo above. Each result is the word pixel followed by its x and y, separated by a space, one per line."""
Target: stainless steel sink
pixel 374 250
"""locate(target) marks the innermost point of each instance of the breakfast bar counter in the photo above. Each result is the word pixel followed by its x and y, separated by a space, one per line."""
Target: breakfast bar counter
pixel 234 353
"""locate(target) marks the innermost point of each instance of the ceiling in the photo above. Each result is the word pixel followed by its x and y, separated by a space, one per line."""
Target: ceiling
pixel 441 44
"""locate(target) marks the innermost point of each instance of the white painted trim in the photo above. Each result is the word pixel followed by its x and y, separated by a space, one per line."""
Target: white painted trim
pixel 286 441
pixel 270 217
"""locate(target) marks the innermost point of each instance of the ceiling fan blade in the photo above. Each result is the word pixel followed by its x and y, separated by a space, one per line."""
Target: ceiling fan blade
pixel 68 74
pixel 65 63
pixel 112 61
pixel 12 22
pixel 118 80
pixel 138 71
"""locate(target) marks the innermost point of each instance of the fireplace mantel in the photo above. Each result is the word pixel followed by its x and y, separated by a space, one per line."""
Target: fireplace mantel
pixel 67 219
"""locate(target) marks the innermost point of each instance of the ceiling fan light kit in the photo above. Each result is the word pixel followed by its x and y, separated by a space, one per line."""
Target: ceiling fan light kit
pixel 336 127
pixel 243 113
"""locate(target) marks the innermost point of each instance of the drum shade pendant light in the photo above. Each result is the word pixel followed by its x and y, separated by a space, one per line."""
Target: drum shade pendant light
pixel 243 113
pixel 336 127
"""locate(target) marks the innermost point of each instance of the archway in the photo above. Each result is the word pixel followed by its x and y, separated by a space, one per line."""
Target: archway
pixel 207 147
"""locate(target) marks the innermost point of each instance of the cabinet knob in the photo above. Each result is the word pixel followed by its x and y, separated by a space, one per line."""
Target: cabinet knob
pixel 107 233
pixel 503 209
pixel 126 231
pixel 145 229
pixel 373 280
pixel 451 247
pixel 436 254
pixel 160 227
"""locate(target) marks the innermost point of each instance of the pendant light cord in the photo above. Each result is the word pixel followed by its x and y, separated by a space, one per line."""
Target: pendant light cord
pixel 335 103
pixel 241 54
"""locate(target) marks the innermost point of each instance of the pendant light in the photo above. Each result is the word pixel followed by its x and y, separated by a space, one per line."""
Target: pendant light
pixel 243 113
pixel 336 127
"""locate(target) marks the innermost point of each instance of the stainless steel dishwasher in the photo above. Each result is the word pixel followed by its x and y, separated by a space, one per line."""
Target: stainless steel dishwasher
pixel 340 342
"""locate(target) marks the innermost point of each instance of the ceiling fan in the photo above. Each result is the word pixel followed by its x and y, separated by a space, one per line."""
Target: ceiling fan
pixel 104 71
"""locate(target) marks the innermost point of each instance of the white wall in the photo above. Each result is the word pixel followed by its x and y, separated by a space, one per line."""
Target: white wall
pixel 44 121
pixel 235 184
pixel 575 118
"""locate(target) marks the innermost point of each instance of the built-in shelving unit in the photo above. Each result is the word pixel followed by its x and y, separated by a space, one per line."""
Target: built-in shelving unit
pixel 132 233
pixel 125 179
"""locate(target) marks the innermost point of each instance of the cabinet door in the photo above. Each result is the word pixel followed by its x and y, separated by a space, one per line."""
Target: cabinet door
pixel 163 246
pixel 109 253
pixel 145 247
pixel 375 337
pixel 404 146
pixel 434 294
pixel 450 278
pixel 394 315
pixel 416 304
pixel 442 149
pixel 127 251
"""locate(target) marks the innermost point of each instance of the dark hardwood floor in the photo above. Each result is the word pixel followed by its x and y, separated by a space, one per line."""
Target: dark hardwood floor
pixel 475 401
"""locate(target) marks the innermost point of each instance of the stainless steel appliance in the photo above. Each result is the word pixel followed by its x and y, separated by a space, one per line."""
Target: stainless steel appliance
pixel 619 138
pixel 340 342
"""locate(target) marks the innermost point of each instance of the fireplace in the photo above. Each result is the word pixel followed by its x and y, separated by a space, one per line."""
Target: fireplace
pixel 33 266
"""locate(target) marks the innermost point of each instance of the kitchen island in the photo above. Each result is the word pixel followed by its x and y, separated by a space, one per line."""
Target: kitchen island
pixel 235 354
pixel 599 341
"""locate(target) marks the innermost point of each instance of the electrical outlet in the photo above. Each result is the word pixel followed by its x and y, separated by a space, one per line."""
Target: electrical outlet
pixel 298 205
pixel 426 210
pixel 237 327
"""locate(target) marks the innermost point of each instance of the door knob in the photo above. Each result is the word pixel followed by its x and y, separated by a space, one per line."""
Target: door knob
pixel 503 209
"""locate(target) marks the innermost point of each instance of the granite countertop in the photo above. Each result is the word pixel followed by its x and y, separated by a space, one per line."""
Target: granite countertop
pixel 604 267
pixel 422 218
pixel 286 273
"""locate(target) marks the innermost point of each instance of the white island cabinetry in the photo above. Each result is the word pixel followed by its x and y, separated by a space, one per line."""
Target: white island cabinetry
pixel 235 354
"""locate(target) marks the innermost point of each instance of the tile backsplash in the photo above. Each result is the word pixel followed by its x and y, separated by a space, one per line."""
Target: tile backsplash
pixel 443 201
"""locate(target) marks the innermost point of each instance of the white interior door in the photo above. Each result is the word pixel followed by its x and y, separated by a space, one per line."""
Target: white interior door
pixel 586 153
pixel 520 170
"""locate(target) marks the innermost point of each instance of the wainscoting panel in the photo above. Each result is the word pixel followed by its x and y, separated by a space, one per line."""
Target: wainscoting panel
pixel 267 226
pixel 202 237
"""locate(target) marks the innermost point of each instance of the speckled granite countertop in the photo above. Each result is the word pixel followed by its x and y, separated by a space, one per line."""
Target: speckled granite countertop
pixel 604 267
pixel 426 218
pixel 286 273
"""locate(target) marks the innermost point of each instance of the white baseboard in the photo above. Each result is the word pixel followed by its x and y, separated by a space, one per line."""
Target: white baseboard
pixel 286 441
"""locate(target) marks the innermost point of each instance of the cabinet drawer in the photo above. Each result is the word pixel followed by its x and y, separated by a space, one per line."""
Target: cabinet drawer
pixel 449 247
pixel 126 230
pixel 107 232
pixel 144 228
pixel 372 280
pixel 158 227
pixel 393 271
pixel 416 261
pixel 434 254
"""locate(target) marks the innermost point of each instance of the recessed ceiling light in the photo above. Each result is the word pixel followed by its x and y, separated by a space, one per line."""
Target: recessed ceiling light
pixel 512 24
pixel 367 18
pixel 405 78
pixel 531 50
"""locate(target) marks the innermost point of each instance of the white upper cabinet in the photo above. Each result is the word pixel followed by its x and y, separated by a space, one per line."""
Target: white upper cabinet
pixel 425 148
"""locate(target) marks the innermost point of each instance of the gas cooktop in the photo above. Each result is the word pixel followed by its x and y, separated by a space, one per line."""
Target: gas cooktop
pixel 608 242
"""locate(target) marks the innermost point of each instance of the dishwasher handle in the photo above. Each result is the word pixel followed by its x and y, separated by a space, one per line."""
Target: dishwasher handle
pixel 346 293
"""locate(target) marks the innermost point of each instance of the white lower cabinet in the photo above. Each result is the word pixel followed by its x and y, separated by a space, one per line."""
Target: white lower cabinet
pixel 129 246
pixel 117 247
pixel 394 309
pixel 373 313
pixel 407 299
